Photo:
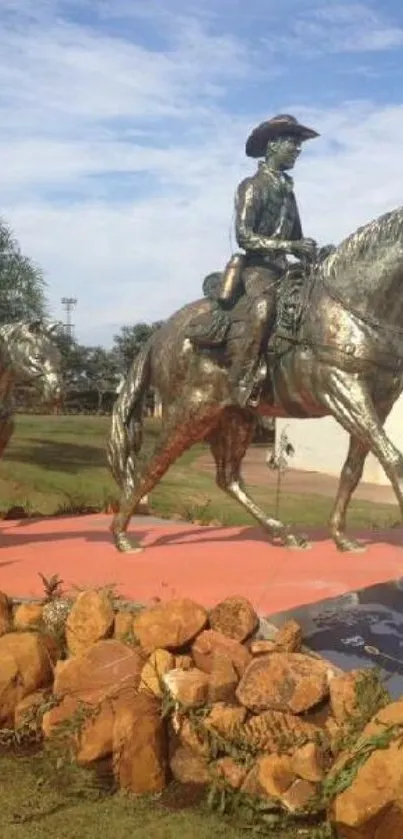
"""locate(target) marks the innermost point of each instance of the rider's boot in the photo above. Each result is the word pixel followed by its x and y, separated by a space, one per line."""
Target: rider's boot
pixel 248 370
pixel 247 380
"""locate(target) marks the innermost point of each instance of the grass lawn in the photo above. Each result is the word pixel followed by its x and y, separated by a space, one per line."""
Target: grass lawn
pixel 32 810
pixel 57 465
pixel 29 813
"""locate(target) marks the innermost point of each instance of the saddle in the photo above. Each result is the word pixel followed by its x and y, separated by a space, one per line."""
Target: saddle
pixel 225 289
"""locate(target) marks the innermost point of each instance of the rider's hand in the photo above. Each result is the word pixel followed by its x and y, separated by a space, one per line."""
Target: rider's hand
pixel 304 248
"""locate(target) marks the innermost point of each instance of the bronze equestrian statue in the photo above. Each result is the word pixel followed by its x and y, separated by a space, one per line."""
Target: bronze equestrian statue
pixel 28 354
pixel 320 337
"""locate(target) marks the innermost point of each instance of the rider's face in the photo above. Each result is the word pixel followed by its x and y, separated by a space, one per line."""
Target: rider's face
pixel 285 152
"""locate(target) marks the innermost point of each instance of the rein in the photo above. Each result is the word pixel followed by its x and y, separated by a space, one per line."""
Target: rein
pixel 312 275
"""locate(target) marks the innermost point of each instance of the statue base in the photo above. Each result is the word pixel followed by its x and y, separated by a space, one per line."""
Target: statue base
pixel 206 564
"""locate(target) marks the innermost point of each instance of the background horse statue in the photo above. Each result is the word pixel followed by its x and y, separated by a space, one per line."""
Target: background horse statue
pixel 27 354
pixel 345 359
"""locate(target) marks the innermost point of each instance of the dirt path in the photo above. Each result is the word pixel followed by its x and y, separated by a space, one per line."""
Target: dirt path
pixel 256 473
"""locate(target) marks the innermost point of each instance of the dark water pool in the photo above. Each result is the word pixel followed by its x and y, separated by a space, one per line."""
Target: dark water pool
pixel 360 629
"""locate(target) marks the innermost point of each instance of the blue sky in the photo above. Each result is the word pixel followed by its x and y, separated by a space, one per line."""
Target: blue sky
pixel 123 131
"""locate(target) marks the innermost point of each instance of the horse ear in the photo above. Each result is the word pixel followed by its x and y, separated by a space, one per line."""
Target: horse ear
pixel 52 327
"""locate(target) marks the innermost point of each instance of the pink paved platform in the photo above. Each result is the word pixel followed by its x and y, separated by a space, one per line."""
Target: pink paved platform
pixel 204 563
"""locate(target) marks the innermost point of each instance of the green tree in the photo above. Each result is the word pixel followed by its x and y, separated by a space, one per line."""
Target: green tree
pixel 101 371
pixel 73 360
pixel 88 368
pixel 22 286
pixel 130 340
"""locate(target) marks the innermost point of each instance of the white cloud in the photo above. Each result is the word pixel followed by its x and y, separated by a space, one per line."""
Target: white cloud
pixel 81 108
pixel 338 28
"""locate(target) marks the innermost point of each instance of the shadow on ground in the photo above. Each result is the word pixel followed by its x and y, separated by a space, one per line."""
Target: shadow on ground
pixel 181 534
pixel 54 456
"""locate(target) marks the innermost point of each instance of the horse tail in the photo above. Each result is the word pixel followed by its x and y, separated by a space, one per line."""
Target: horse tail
pixel 126 430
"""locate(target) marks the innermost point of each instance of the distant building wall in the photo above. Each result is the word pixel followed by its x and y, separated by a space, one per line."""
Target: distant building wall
pixel 321 444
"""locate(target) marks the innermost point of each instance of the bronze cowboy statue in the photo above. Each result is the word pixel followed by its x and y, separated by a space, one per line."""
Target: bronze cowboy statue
pixel 334 349
pixel 268 229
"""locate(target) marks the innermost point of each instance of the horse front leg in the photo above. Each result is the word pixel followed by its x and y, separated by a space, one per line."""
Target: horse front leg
pixel 229 443
pixel 351 404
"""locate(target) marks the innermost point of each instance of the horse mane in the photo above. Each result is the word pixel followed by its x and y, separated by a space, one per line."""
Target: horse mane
pixel 7 329
pixel 367 244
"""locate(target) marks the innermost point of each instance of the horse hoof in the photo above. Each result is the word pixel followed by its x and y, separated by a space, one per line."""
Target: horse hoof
pixel 125 546
pixel 299 543
pixel 345 545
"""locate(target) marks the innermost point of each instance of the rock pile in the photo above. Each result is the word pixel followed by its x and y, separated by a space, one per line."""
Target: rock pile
pixel 177 692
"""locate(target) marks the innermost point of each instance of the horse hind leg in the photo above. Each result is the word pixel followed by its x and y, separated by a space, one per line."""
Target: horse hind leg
pixel 229 443
pixel 181 429
pixel 350 477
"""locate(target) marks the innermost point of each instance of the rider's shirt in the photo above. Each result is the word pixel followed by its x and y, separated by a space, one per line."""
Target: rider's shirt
pixel 266 210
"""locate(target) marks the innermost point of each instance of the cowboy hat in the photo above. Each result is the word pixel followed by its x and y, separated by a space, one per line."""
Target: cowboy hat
pixel 282 125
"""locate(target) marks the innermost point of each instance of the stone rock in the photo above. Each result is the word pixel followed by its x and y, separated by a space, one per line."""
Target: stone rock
pixel 89 687
pixel 123 625
pixel 389 716
pixel 226 720
pixel 343 695
pixel 251 785
pixel 29 708
pixel 60 666
pixel 189 768
pixel 275 731
pixel 330 730
pixel 191 738
pixel 28 615
pixel 170 625
pixel 183 662
pixel 223 680
pixel 289 637
pixel 90 728
pixel 229 772
pixel 234 617
pixel 188 687
pixel 6 620
pixel 159 663
pixel 308 762
pixel 283 681
pixel 374 799
pixel 275 774
pixel 210 644
pixel 90 620
pixel 391 825
pixel 375 791
pixel 10 689
pixel 105 669
pixel 262 647
pixel 140 746
pixel 299 795
pixel 53 646
pixel 25 667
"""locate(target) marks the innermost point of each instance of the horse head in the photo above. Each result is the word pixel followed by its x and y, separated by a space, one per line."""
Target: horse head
pixel 31 354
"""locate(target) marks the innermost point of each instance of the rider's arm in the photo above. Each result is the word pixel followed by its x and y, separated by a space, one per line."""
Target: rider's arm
pixel 247 211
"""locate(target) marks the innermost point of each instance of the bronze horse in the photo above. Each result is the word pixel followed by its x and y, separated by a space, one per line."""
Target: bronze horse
pixel 345 359
pixel 27 354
